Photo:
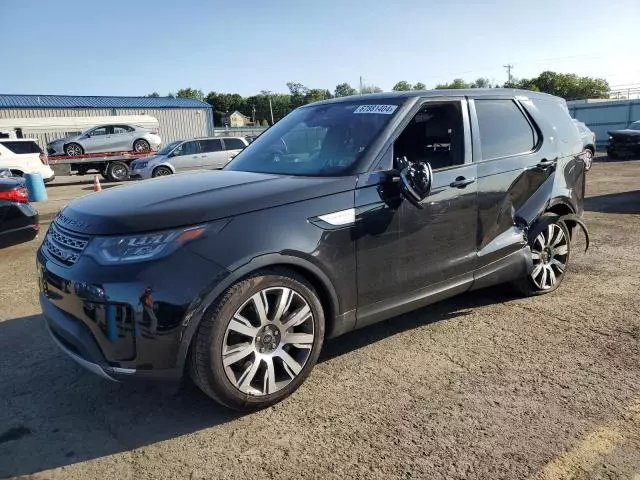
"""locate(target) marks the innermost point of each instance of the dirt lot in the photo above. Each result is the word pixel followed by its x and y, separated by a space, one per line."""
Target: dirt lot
pixel 482 386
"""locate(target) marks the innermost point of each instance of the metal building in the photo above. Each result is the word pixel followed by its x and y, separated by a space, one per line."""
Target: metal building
pixel 178 118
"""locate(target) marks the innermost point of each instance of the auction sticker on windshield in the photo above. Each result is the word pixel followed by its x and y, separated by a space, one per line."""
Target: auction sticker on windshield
pixel 380 109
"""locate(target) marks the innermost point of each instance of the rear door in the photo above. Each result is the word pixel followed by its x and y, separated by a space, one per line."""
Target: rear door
pixel 20 155
pixel 512 166
pixel 212 153
pixel 232 146
pixel 122 138
pixel 187 156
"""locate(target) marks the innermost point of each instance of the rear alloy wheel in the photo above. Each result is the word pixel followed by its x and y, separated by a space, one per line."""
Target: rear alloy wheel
pixel 73 150
pixel 141 146
pixel 587 155
pixel 259 342
pixel 550 248
pixel 117 171
pixel 161 172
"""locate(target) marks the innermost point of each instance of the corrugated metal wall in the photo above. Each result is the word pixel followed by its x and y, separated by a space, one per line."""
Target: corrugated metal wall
pixel 174 123
pixel 602 117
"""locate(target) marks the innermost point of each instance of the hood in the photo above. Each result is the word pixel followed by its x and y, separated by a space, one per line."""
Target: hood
pixel 189 199
pixel 624 133
pixel 63 139
pixel 150 158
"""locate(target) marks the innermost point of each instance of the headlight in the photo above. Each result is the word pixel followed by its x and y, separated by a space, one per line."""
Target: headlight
pixel 147 246
pixel 140 164
pixel 610 137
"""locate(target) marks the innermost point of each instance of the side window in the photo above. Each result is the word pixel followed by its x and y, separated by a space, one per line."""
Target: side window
pixel 435 135
pixel 99 131
pixel 556 114
pixel 211 145
pixel 187 148
pixel 233 144
pixel 122 129
pixel 504 130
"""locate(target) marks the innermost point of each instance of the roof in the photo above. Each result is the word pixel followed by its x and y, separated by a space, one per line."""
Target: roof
pixel 471 92
pixel 72 101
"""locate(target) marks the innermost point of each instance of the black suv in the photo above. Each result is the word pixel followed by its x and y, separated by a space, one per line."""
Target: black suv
pixel 345 213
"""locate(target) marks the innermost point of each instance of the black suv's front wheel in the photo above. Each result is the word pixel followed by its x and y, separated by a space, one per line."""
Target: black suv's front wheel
pixel 550 245
pixel 259 341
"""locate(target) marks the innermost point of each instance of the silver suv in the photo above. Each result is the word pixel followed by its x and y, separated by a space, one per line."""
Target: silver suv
pixel 186 155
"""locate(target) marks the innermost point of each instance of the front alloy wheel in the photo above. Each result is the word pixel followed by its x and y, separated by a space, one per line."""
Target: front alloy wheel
pixel 268 341
pixel 259 340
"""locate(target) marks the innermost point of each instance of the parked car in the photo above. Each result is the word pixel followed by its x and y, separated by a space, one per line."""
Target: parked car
pixel 18 219
pixel 186 155
pixel 107 138
pixel 625 143
pixel 588 143
pixel 24 155
pixel 346 212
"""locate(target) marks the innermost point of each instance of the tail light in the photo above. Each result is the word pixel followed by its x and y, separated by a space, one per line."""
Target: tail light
pixel 17 194
pixel 44 158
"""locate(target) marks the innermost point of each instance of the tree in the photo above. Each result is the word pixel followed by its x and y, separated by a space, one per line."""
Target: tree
pixel 316 94
pixel 154 95
pixel 190 93
pixel 344 90
pixel 171 95
pixel 402 86
pixel 298 93
pixel 568 86
pixel 481 83
pixel 371 89
pixel 457 83
pixel 419 86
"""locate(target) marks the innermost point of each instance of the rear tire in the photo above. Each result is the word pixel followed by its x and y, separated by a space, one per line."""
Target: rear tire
pixel 161 172
pixel 259 341
pixel 550 244
pixel 588 159
pixel 141 145
pixel 73 150
pixel 117 171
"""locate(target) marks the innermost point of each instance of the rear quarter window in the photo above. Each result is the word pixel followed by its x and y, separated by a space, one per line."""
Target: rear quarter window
pixel 21 148
pixel 564 131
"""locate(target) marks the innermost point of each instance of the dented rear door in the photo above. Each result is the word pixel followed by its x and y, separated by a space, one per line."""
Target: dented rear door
pixel 513 164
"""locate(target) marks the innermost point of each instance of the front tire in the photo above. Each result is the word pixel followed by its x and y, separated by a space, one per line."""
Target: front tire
pixel 550 245
pixel 588 159
pixel 161 172
pixel 259 341
pixel 73 150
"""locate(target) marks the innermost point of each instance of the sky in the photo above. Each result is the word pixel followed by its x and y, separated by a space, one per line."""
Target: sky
pixel 136 47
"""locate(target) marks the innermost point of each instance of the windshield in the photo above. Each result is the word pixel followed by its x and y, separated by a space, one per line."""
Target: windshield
pixel 167 148
pixel 321 140
pixel 634 126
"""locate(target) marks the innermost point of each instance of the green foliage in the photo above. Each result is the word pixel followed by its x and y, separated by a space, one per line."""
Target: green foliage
pixel 457 83
pixel 568 86
pixel 402 86
pixel 154 95
pixel 419 86
pixel 370 89
pixel 190 93
pixel 481 83
pixel 344 90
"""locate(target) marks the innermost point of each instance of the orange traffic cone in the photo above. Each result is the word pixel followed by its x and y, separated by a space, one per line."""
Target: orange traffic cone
pixel 96 184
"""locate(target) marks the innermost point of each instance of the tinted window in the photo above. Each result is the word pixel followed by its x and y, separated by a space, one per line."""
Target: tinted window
pixel 122 129
pixel 233 144
pixel 189 148
pixel 211 145
pixel 504 130
pixel 21 147
pixel 557 115
pixel 98 131
pixel 434 135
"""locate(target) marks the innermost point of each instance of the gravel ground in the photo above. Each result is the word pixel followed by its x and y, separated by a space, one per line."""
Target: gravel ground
pixel 483 386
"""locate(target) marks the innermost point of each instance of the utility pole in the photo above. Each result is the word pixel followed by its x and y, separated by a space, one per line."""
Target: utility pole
pixel 360 84
pixel 509 67
pixel 268 94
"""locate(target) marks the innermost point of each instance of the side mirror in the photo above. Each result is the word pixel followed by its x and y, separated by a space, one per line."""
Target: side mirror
pixel 415 181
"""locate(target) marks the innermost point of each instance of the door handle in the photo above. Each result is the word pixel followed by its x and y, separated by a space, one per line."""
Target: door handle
pixel 461 182
pixel 544 164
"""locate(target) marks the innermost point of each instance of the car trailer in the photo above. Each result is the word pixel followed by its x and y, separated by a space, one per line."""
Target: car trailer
pixel 112 166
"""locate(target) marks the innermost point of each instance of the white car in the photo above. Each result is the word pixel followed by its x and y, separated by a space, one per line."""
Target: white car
pixel 24 155
pixel 186 155
pixel 106 138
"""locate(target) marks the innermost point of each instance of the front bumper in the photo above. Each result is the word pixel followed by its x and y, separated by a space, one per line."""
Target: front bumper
pixel 55 149
pixel 127 321
pixel 140 174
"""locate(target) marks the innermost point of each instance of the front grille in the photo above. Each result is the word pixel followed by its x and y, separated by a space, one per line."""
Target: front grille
pixel 63 245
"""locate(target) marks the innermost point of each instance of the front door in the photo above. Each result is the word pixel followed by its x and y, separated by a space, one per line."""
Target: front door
pixel 187 156
pixel 99 140
pixel 407 256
